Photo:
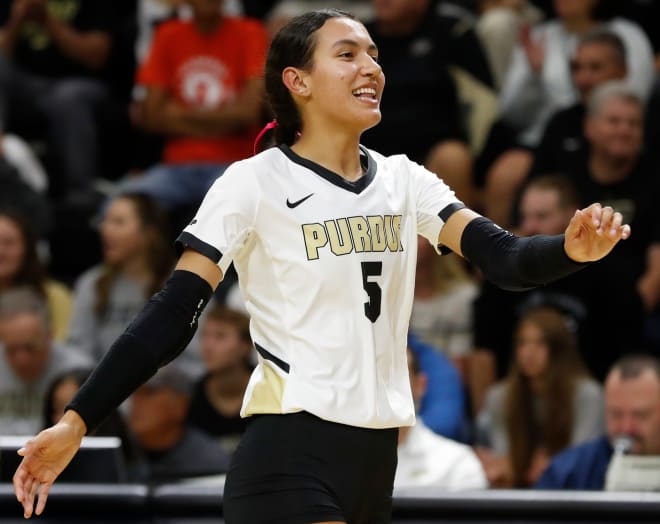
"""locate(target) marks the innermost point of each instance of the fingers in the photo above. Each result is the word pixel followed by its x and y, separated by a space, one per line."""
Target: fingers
pixel 43 497
pixel 20 477
pixel 606 221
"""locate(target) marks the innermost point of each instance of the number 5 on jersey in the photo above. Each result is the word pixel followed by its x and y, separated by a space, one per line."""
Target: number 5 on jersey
pixel 372 307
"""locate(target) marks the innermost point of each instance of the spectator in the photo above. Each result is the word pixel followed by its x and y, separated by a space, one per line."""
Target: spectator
pixel 442 307
pixel 427 459
pixel 600 57
pixel 204 92
pixel 136 261
pixel 443 406
pixel 421 112
pixel 172 450
pixel 32 360
pixel 546 403
pixel 225 347
pixel 632 408
pixel 498 25
pixel 539 83
pixel 58 395
pixel 51 52
pixel 546 206
pixel 20 266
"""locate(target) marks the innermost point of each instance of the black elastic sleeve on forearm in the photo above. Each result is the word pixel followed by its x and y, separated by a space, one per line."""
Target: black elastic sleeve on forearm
pixel 515 263
pixel 159 333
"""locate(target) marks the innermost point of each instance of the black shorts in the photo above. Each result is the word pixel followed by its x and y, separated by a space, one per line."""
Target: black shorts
pixel 300 469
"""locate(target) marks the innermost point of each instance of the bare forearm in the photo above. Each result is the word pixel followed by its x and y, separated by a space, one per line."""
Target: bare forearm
pixel 91 48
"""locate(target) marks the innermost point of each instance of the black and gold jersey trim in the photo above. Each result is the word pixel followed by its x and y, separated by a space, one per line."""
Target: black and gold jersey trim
pixel 185 240
pixel 368 163
pixel 269 356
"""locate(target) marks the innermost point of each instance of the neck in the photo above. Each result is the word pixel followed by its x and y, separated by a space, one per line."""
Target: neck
pixel 163 439
pixel 207 25
pixel 136 268
pixel 338 152
pixel 228 383
pixel 606 170
pixel 579 26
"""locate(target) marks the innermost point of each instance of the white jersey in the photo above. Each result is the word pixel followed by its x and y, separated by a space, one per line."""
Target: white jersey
pixel 327 269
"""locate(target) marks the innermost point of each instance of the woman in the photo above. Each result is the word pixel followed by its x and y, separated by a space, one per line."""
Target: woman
pixel 547 403
pixel 20 266
pixel 322 233
pixel 136 261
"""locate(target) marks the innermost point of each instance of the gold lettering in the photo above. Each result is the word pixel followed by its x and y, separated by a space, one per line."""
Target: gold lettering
pixel 360 232
pixel 315 238
pixel 396 227
pixel 377 227
pixel 339 235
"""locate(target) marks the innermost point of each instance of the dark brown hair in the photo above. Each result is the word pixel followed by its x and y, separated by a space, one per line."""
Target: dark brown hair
pixel 552 431
pixel 31 272
pixel 293 46
pixel 160 255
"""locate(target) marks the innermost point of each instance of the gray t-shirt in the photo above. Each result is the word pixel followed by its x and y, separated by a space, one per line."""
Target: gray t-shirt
pixel 92 335
pixel 588 416
pixel 22 405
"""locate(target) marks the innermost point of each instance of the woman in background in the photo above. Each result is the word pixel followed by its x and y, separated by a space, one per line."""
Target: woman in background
pixel 547 402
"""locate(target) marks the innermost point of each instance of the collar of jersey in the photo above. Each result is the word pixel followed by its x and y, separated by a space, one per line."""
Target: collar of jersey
pixel 354 187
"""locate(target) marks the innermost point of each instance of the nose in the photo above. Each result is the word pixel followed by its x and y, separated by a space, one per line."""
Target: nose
pixel 370 67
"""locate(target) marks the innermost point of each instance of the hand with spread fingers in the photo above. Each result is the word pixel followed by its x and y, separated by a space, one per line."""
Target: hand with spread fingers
pixel 593 232
pixel 44 458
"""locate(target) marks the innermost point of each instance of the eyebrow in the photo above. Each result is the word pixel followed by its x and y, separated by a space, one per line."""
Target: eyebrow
pixel 354 43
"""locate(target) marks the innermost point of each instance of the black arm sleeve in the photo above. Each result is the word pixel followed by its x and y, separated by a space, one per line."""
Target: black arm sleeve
pixel 159 333
pixel 515 263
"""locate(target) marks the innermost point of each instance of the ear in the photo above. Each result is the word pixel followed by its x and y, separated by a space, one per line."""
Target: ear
pixel 296 81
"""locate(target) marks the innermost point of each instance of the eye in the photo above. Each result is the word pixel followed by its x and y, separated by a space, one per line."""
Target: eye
pixel 374 58
pixel 346 54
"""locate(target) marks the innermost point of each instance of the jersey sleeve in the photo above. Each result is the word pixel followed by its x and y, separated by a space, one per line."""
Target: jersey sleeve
pixel 226 217
pixel 435 202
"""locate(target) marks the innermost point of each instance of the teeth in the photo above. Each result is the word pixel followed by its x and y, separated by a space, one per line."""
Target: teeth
pixel 365 91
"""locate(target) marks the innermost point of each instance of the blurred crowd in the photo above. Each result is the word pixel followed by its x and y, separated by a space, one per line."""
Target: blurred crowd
pixel 117 116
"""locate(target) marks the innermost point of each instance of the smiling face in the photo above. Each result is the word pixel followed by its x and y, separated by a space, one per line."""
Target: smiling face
pixel 616 131
pixel 344 85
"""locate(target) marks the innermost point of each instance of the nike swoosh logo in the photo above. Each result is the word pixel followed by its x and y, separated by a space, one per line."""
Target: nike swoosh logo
pixel 291 205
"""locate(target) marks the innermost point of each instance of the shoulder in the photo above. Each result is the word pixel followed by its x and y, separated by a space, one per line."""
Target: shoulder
pixel 588 389
pixel 173 29
pixel 88 278
pixel 581 453
pixel 243 25
pixel 626 27
pixel 57 291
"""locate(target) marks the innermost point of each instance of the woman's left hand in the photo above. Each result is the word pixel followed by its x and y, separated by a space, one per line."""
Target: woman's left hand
pixel 593 232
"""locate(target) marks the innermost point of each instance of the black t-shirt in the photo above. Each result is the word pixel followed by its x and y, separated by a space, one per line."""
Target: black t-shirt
pixel 420 105
pixel 563 142
pixel 202 415
pixel 36 53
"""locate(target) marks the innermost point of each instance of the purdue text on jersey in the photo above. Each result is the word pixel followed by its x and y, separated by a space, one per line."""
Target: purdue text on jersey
pixel 354 234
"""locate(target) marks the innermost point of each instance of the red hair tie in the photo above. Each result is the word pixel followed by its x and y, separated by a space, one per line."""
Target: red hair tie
pixel 270 125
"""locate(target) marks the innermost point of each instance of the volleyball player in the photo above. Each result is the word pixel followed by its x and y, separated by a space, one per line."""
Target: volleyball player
pixel 323 234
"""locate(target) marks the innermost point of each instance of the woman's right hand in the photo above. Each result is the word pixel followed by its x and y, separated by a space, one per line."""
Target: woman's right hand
pixel 44 458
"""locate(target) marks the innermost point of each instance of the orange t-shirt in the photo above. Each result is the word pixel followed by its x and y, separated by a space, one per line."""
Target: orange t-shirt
pixel 206 71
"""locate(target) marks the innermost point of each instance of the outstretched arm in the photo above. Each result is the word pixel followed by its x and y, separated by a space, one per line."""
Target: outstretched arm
pixel 520 263
pixel 158 334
